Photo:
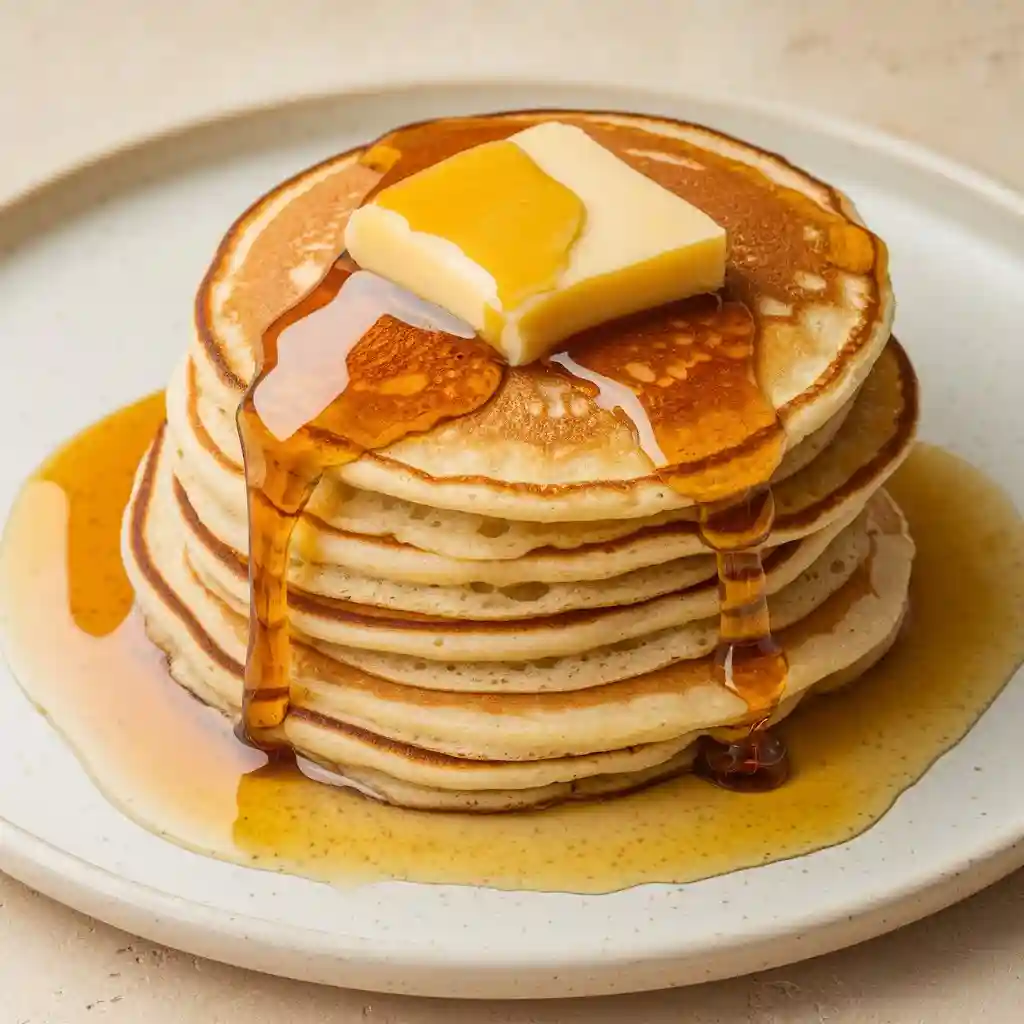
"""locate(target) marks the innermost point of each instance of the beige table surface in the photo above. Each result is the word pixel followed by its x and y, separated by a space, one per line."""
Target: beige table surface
pixel 80 76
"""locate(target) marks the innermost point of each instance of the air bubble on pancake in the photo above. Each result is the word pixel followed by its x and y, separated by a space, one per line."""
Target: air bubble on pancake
pixel 493 528
pixel 525 592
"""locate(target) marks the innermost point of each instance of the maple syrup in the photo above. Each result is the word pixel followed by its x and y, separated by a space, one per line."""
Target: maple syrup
pixel 81 654
pixel 356 365
pixel 688 385
pixel 748 659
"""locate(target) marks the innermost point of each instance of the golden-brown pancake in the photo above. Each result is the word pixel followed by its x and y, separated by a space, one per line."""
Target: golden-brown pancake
pixel 815 281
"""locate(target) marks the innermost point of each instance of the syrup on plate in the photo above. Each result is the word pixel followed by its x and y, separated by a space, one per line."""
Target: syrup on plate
pixel 81 654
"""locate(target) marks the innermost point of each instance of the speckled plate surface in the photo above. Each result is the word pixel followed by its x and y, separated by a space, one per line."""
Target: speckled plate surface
pixel 72 250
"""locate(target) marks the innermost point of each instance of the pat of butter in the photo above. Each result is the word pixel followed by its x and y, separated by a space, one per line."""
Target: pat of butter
pixel 537 237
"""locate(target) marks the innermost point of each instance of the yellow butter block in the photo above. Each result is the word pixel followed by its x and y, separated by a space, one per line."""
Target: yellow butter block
pixel 537 237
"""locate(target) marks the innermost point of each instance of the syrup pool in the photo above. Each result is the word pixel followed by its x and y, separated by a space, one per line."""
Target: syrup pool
pixel 79 651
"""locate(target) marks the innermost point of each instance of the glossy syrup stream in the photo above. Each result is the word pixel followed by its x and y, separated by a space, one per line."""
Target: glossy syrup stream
pixel 356 365
pixel 687 384
pixel 749 660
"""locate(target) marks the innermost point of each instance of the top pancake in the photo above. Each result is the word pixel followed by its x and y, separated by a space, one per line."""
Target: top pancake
pixel 814 282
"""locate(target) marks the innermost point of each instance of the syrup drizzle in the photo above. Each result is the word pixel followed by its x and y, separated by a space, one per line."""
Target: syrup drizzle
pixel 748 660
pixel 356 365
pixel 360 363
pixel 687 384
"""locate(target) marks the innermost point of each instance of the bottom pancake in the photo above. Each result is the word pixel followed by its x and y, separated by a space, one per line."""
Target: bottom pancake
pixel 391 790
pixel 487 752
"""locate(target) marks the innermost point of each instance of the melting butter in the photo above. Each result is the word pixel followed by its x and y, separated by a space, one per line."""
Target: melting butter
pixel 537 237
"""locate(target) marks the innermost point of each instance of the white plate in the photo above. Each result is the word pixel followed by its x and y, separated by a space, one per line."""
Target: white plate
pixel 97 273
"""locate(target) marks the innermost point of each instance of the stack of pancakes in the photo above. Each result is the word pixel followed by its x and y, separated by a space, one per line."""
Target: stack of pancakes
pixel 512 609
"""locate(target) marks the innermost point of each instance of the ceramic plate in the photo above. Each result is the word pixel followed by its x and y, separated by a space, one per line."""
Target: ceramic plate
pixel 97 273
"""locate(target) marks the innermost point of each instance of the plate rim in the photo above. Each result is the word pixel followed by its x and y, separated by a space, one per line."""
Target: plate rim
pixel 847 129
pixel 79 883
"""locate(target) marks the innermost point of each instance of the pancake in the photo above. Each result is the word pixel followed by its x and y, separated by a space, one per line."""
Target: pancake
pixel 622 660
pixel 543 449
pixel 830 558
pixel 601 739
pixel 869 441
pixel 225 569
pixel 212 436
pixel 436 637
pixel 387 788
pixel 390 789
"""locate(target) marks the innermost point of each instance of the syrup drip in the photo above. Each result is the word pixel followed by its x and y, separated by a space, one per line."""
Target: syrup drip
pixel 748 659
pixel 688 386
pixel 356 365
